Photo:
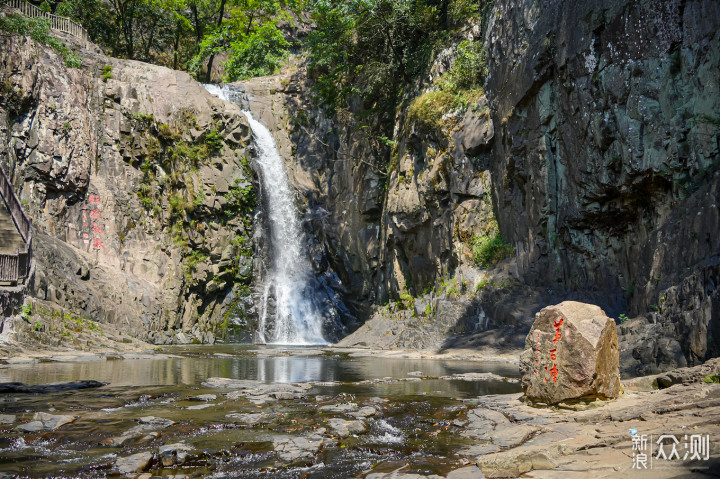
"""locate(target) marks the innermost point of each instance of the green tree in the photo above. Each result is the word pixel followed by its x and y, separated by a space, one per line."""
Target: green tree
pixel 251 36
pixel 370 49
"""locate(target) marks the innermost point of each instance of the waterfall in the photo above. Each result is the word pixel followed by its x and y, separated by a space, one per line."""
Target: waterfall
pixel 297 320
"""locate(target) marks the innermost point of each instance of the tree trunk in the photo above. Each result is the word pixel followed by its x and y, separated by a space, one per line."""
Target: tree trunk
pixel 208 78
pixel 176 46
pixel 198 27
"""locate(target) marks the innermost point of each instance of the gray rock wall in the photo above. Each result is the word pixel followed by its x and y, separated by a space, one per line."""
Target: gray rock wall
pixel 606 161
pixel 140 188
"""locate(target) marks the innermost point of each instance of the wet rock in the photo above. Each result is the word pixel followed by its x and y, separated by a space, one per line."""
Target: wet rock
pixel 145 430
pixel 199 406
pixel 257 392
pixel 344 428
pixel 171 454
pixel 283 395
pixel 259 400
pixel 344 408
pixel 364 412
pixel 149 437
pixel 156 421
pixel 10 388
pixel 204 397
pixel 397 475
pixel 291 449
pixel 135 463
pixel 45 422
pixel 249 418
pixel 7 418
pixel 475 377
pixel 571 352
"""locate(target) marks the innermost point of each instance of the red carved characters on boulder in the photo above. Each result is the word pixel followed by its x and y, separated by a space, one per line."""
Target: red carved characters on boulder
pixel 552 352
pixel 570 352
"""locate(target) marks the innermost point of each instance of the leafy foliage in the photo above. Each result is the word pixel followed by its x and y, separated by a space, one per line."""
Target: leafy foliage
pixel 489 250
pixel 370 48
pixel 257 54
pixel 39 30
pixel 469 68
pixel 251 36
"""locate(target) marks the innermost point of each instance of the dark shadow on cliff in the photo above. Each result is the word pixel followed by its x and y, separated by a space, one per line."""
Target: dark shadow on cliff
pixel 498 319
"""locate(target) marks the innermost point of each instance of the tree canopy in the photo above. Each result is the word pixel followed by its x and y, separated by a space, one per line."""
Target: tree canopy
pixel 356 47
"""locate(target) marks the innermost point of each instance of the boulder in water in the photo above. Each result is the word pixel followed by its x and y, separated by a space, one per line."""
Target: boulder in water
pixel 344 428
pixel 43 421
pixel 171 454
pixel 570 353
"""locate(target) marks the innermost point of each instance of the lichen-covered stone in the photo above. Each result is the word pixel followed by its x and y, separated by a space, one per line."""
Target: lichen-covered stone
pixel 570 353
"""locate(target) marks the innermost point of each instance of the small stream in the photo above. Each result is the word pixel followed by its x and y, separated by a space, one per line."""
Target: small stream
pixel 414 405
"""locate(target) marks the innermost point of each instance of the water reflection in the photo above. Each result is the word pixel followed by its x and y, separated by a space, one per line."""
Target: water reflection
pixel 198 364
pixel 291 369
pixel 171 371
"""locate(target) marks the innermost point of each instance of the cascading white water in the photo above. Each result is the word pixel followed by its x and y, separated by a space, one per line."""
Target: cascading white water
pixel 297 320
pixel 222 92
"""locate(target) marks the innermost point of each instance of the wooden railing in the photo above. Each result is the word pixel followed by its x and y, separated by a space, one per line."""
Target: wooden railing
pixel 61 24
pixel 9 268
pixel 15 267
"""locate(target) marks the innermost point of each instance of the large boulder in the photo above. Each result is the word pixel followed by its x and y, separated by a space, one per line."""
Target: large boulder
pixel 570 353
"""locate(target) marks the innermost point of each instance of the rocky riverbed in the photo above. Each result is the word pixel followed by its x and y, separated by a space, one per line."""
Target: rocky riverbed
pixel 250 412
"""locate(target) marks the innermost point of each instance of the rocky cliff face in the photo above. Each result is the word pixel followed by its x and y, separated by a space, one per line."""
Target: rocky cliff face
pixel 140 186
pixel 595 150
pixel 606 162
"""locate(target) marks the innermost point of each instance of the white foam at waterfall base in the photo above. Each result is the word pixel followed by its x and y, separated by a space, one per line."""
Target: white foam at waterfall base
pixel 297 321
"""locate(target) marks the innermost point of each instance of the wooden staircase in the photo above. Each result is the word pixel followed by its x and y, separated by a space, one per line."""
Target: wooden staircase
pixel 15 236
pixel 11 241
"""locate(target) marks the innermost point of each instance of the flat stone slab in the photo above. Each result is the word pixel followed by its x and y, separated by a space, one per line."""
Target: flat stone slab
pixel 479 450
pixel 7 419
pixel 43 421
pixel 204 397
pixel 511 435
pixel 339 408
pixel 470 472
pixel 135 463
pixel 363 412
pixel 476 377
pixel 156 421
pixel 291 448
pixel 249 418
